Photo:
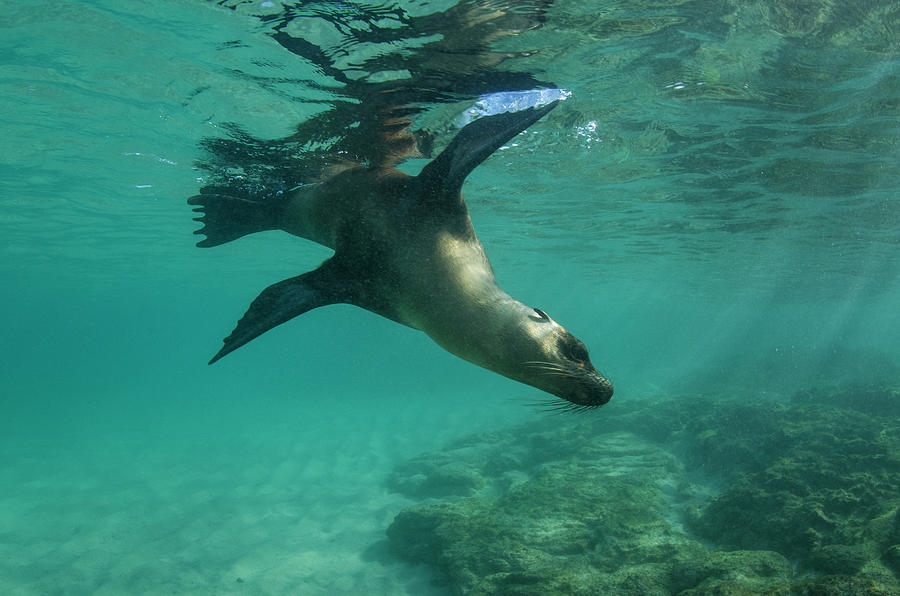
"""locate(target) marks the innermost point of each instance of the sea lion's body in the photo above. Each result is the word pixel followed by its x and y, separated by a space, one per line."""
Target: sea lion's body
pixel 405 248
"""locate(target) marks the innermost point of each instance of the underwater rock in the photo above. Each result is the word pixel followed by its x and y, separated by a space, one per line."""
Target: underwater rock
pixel 839 559
pixel 870 399
pixel 462 468
pixel 891 541
pixel 617 504
pixel 737 572
pixel 429 479
pixel 834 472
pixel 585 525
pixel 835 585
pixel 891 558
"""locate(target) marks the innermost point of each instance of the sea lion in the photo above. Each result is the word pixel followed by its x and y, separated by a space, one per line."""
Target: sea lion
pixel 405 249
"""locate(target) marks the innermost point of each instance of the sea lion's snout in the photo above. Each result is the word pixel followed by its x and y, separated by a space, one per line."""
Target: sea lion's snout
pixel 565 368
pixel 582 387
pixel 590 388
pixel 593 391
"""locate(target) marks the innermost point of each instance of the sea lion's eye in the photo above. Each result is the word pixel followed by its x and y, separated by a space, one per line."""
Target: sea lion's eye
pixel 542 314
pixel 576 351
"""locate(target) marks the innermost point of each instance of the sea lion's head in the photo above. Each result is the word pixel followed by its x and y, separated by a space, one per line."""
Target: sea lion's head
pixel 562 366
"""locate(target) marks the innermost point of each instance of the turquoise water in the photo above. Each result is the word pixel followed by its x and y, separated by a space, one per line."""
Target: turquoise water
pixel 714 210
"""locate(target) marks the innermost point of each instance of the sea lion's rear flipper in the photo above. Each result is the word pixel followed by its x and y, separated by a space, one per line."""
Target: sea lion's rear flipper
pixel 226 217
pixel 472 145
pixel 285 300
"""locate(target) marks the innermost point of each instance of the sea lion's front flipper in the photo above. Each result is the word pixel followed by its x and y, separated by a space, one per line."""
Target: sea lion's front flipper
pixel 472 145
pixel 285 300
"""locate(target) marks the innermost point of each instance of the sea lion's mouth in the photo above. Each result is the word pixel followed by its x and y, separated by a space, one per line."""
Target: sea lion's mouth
pixel 582 387
pixel 593 391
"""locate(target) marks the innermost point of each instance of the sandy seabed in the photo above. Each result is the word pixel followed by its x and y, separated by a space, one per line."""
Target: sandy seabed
pixel 289 502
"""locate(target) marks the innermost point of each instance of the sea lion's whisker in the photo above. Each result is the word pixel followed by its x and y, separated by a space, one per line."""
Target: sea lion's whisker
pixel 546 365
pixel 555 373
pixel 557 406
pixel 546 406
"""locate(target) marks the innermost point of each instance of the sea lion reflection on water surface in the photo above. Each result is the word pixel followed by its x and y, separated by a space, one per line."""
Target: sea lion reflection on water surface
pixel 405 249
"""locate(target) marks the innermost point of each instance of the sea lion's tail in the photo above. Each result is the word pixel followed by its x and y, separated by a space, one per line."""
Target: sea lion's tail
pixel 226 217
